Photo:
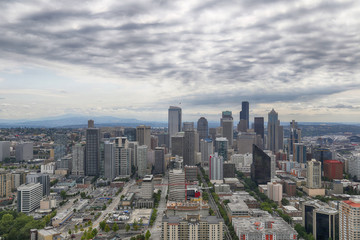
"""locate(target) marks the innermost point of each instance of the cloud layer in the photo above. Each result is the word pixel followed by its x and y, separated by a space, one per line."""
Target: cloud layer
pixel 300 57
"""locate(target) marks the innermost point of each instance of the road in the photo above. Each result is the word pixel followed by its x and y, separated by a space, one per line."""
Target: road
pixel 156 228
pixel 214 207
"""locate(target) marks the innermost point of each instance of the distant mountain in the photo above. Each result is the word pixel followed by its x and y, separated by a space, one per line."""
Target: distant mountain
pixel 78 122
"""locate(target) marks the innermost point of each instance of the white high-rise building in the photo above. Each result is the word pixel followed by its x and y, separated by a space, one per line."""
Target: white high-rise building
pixel 313 174
pixel 78 160
pixel 216 163
pixel 109 160
pixel 174 121
pixel 177 185
pixel 29 196
pixel 206 149
pixel 4 150
pixel 354 165
pixel 349 219
pixel 142 152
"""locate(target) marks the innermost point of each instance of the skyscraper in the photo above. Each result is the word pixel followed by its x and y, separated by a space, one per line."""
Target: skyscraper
pixel 203 128
pixel 4 150
pixel 275 132
pixel 28 197
pixel 244 113
pixel 227 124
pixel 188 126
pixel 295 136
pixel 206 149
pixel 142 160
pixel 143 135
pixel 159 160
pixel 41 178
pixel 299 152
pixel 109 160
pixel 24 151
pixel 261 166
pixel 92 158
pixel 174 121
pixel 349 218
pixel 313 174
pixel 78 160
pixel 221 147
pixel 216 171
pixel 259 126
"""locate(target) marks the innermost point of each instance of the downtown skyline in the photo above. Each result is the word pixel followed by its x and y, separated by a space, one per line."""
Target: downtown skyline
pixel 134 60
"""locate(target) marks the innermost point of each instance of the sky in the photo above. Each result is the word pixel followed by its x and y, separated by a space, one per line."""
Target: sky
pixel 133 59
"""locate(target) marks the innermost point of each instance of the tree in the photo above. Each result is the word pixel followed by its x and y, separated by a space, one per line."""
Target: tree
pixel 115 227
pixel 63 194
pixel 94 232
pixel 285 202
pixel 147 235
pixel 141 222
pixel 69 231
pixel 127 227
pixel 135 225
pixel 107 228
pixel 102 225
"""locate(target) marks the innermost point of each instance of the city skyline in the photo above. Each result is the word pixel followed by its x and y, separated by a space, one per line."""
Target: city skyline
pixel 134 60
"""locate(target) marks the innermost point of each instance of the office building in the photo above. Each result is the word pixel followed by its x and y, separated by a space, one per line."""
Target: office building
pixel 78 160
pixel 28 197
pixel 244 113
pixel 109 161
pixel 321 154
pixel 163 139
pixel 147 187
pixel 60 145
pixel 275 132
pixel 333 169
pixel 177 185
pixel 174 121
pixel 261 166
pixel 143 135
pixel 41 178
pixel 203 128
pixel 24 151
pixel 92 150
pixel 290 188
pixel 354 165
pixel 295 136
pixel 221 147
pixel 188 126
pixel 314 174
pixel 124 161
pixel 299 150
pixel 142 160
pixel 130 134
pixel 159 160
pixel 190 173
pixel 192 227
pixel 229 170
pixel 216 171
pixel 206 149
pixel 259 126
pixel 227 125
pixel 274 191
pixel 5 184
pixel 349 218
pixel 91 123
pixel 189 150
pixel 242 126
pixel 263 228
pixel 133 146
pixel 4 150
pixel 177 143
pixel 245 141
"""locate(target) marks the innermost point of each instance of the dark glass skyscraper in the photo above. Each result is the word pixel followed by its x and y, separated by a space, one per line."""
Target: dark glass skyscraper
pixel 261 166
pixel 244 113
pixel 202 128
pixel 92 152
pixel 259 126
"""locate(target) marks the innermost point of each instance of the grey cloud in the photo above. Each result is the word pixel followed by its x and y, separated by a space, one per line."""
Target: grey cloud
pixel 343 106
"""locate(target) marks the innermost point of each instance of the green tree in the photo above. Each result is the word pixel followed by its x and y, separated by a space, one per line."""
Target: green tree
pixel 102 225
pixel 127 227
pixel 135 225
pixel 115 227
pixel 63 194
pixel 94 232
pixel 147 235
pixel 285 202
pixel 107 228
pixel 69 231
pixel 141 222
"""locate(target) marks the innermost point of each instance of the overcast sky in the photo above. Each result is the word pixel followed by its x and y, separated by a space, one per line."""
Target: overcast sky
pixel 134 59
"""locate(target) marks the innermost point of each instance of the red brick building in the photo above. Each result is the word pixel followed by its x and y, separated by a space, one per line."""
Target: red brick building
pixel 333 169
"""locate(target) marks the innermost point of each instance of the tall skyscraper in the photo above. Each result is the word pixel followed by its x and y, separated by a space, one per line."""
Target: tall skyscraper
pixel 143 135
pixel 221 147
pixel 188 126
pixel 142 160
pixel 109 161
pixel 203 128
pixel 216 171
pixel 159 160
pixel 174 121
pixel 313 174
pixel 275 132
pixel 130 134
pixel 295 136
pixel 244 113
pixel 78 160
pixel 189 147
pixel 259 126
pixel 261 166
pixel 227 124
pixel 177 185
pixel 206 149
pixel 92 156
pixel 177 143
pixel 299 153
pixel 91 123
